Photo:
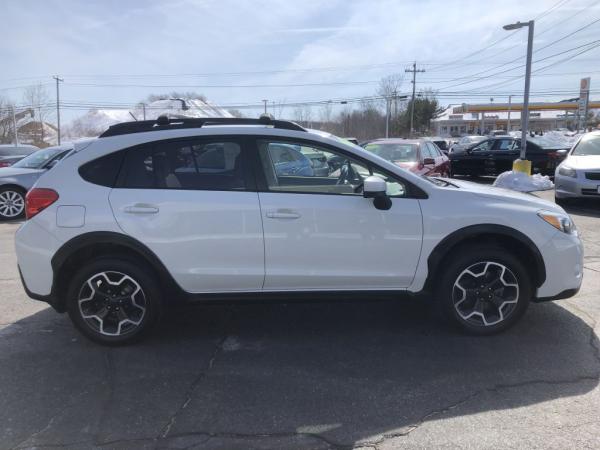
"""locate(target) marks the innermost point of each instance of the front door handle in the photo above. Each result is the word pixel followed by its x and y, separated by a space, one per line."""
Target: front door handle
pixel 283 214
pixel 141 208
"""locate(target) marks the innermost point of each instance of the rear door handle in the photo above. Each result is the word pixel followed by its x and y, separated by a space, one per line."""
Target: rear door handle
pixel 141 208
pixel 283 214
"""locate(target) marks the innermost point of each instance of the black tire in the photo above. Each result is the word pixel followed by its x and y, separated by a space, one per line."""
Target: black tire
pixel 475 258
pixel 11 198
pixel 143 306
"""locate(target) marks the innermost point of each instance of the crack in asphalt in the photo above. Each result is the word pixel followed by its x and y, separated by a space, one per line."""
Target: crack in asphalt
pixel 195 383
pixel 109 364
pixel 53 418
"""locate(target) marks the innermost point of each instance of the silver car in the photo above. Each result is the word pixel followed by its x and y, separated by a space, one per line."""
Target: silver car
pixel 16 180
pixel 578 176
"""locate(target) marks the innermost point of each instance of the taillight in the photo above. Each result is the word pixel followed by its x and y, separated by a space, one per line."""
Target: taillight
pixel 37 200
pixel 4 164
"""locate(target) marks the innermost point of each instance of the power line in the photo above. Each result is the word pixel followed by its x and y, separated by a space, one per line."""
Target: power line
pixel 543 14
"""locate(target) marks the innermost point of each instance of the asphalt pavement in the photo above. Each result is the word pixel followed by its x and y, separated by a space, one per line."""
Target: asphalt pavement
pixel 368 374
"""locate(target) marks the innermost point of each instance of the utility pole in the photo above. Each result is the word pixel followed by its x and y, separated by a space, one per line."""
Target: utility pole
pixel 522 165
pixel 15 125
pixel 265 102
pixel 414 83
pixel 388 101
pixel 508 121
pixel 58 80
pixel 144 110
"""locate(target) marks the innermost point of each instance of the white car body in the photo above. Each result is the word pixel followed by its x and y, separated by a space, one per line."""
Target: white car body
pixel 228 242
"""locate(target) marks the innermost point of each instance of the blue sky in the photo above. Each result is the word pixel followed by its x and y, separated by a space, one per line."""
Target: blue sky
pixel 146 45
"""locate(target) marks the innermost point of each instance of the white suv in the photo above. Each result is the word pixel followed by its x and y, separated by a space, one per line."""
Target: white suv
pixel 157 212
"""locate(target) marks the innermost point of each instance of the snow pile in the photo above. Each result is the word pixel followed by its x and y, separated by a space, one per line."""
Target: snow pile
pixel 96 121
pixel 519 181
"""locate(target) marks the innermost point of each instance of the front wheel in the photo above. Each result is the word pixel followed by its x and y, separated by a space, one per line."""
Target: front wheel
pixel 113 301
pixel 484 290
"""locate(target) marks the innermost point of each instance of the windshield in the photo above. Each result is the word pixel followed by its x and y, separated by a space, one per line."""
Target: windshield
pixel 394 152
pixel 588 145
pixel 546 142
pixel 38 159
pixel 471 139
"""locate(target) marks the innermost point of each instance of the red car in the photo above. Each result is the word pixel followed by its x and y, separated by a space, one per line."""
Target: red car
pixel 417 155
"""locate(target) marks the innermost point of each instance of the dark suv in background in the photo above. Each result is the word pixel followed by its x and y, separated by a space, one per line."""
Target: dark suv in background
pixel 496 154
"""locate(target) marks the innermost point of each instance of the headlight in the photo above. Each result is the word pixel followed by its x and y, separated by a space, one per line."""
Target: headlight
pixel 567 171
pixel 559 221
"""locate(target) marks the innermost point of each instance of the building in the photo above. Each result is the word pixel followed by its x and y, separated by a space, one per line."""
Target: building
pixel 458 120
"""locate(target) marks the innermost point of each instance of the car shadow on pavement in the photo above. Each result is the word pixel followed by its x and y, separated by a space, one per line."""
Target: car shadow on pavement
pixel 321 375
pixel 584 207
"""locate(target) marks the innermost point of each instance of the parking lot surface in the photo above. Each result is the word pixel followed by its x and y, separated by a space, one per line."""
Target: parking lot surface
pixel 367 374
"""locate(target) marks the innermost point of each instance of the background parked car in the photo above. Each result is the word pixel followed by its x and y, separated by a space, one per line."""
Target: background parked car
pixel 578 175
pixel 496 155
pixel 15 181
pixel 10 154
pixel 417 155
pixel 289 160
pixel 318 162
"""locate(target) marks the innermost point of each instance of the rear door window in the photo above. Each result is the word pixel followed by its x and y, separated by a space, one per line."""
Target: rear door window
pixel 187 165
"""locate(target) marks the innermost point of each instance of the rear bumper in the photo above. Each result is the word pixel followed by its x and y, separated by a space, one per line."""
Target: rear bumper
pixel 51 299
pixel 35 247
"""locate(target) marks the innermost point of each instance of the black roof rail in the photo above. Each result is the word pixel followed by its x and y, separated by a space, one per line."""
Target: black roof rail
pixel 165 123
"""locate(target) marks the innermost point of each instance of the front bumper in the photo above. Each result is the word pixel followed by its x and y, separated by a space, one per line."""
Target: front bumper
pixel 563 258
pixel 579 187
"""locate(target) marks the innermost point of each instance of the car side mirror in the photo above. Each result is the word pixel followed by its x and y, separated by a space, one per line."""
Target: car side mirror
pixel 51 164
pixel 375 188
pixel 429 161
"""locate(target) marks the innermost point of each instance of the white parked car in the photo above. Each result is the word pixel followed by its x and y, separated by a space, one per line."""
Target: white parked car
pixel 153 213
pixel 578 176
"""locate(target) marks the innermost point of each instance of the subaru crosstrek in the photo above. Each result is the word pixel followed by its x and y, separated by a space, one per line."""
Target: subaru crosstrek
pixel 153 213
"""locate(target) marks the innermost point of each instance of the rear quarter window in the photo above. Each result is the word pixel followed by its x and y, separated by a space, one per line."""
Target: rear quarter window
pixel 104 170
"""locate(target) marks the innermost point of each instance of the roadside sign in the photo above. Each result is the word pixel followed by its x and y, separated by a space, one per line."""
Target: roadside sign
pixel 584 97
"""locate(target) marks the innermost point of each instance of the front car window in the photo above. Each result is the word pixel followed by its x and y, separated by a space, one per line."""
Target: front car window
pixel 588 145
pixel 310 169
pixel 40 158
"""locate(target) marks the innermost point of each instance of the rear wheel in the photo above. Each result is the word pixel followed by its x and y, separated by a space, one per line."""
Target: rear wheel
pixel 113 301
pixel 12 203
pixel 484 290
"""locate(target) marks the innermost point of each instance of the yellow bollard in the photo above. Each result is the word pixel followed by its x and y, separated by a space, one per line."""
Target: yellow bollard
pixel 522 165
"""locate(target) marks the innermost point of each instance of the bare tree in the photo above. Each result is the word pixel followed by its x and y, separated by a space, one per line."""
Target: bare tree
pixel 6 124
pixel 389 89
pixel 37 98
pixel 303 115
pixel 325 113
pixel 278 106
